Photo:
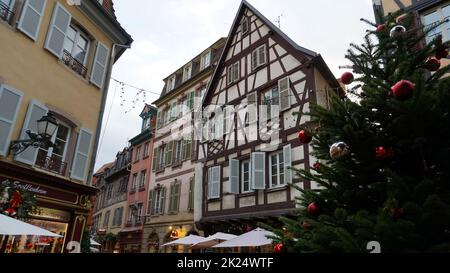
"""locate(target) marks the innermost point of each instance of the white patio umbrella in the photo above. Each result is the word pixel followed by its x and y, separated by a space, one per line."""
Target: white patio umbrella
pixel 188 240
pixel 256 237
pixel 11 226
pixel 213 240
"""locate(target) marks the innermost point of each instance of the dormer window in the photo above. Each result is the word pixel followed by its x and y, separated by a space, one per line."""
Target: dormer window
pixel 171 83
pixel 187 72
pixel 145 123
pixel 206 60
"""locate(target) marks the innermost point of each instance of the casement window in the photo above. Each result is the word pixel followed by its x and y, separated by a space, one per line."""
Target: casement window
pixel 259 57
pixel 178 148
pixel 56 154
pixel 137 154
pixel 228 119
pixel 123 185
pixel 205 60
pixel 271 104
pixel 109 192
pixel 117 220
pixel 245 176
pixel 202 93
pixel 186 149
pixel 214 182
pixel 276 169
pixel 166 116
pixel 140 206
pixel 252 108
pixel 146 149
pixel 134 179
pixel 143 179
pixel 174 200
pixel 191 194
pixel 258 170
pixel 245 26
pixel 159 196
pixel 31 18
pixel 233 73
pixel 145 123
pixel 76 44
pixel 174 111
pixel 171 83
pixel 106 219
pixel 285 94
pixel 168 155
pixel 131 214
pixel 161 157
pixel 279 167
pixel 434 18
pixel 159 119
pixel 218 124
pixel 10 100
pixel 187 72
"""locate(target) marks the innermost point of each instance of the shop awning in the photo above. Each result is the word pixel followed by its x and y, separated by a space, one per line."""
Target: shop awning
pixel 256 237
pixel 11 226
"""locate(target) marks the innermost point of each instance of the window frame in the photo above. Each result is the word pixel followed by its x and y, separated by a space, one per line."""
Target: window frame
pixel 171 83
pixel 444 29
pixel 258 63
pixel 280 170
pixel 247 161
pixel 203 58
pixel 186 76
pixel 231 72
pixel 78 33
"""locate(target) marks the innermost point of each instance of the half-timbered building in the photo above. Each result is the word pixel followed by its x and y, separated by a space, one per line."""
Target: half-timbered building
pixel 249 142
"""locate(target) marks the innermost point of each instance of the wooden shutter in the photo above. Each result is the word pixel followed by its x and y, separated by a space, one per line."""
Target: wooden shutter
pixel 230 74
pixel 262 55
pixel 252 108
pixel 287 154
pixel 10 100
pixel 99 65
pixel 58 29
pixel 191 193
pixel 155 159
pixel 163 200
pixel 236 71
pixel 80 161
pixel 172 186
pixel 258 170
pixel 158 120
pixel 151 207
pixel 35 111
pixel 254 59
pixel 176 207
pixel 191 97
pixel 234 176
pixel 284 91
pixel 169 151
pixel 31 17
pixel 214 182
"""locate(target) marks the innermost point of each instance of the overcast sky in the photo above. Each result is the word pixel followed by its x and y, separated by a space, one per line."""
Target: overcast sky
pixel 167 34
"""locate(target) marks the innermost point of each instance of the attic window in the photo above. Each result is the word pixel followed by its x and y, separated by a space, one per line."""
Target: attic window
pixel 171 83
pixel 205 60
pixel 244 25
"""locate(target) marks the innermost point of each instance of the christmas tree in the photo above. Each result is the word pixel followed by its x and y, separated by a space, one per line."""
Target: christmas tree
pixel 382 151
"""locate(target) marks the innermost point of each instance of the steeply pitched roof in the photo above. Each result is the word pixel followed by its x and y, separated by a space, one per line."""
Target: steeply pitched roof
pixel 243 6
pixel 104 167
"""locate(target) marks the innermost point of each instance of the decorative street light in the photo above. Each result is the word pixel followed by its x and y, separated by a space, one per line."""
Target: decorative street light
pixel 46 127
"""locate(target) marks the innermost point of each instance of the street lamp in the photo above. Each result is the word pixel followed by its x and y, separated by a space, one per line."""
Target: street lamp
pixel 46 127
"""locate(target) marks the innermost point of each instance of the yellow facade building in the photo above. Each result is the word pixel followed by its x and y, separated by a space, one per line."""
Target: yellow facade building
pixel 55 60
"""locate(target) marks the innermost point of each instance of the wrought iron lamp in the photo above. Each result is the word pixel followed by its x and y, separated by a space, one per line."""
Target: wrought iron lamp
pixel 46 127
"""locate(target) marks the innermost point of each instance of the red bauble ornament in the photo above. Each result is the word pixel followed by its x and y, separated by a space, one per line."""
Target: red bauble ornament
pixel 383 153
pixel 403 90
pixel 380 28
pixel 278 248
pixel 441 51
pixel 398 213
pixel 317 165
pixel 304 137
pixel 432 64
pixel 306 226
pixel 347 78
pixel 313 209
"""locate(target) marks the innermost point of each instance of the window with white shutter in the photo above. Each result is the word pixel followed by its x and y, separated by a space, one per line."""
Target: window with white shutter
pixel 234 176
pixel 58 28
pixel 81 158
pixel 36 111
pixel 218 123
pixel 10 99
pixel 155 159
pixel 31 17
pixel 252 108
pixel 285 94
pixel 259 57
pixel 233 73
pixel 246 176
pixel 99 65
pixel 228 118
pixel 258 173
pixel 287 153
pixel 214 182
